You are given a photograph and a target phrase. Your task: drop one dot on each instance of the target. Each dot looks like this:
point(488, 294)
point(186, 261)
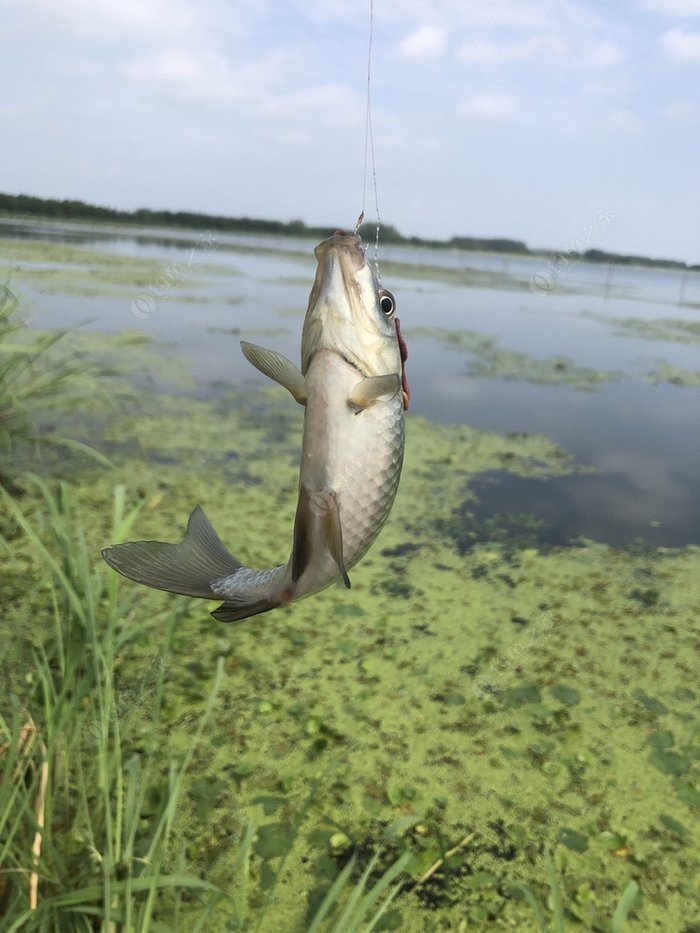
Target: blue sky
point(520, 118)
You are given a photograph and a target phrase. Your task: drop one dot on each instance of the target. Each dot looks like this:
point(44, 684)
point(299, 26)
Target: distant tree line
point(24, 205)
point(599, 255)
point(50, 208)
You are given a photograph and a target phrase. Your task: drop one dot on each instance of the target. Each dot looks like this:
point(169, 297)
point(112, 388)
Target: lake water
point(205, 292)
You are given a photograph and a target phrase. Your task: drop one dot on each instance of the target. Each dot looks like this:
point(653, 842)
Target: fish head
point(349, 311)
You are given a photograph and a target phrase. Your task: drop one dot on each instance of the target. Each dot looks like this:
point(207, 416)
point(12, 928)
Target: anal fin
point(234, 612)
point(303, 531)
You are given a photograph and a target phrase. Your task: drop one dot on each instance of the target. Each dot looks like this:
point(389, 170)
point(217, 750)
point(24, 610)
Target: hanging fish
point(353, 386)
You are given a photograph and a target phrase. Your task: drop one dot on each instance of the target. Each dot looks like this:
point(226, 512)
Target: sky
point(549, 121)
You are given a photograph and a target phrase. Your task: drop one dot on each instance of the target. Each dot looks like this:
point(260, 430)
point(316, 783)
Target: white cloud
point(509, 50)
point(681, 44)
point(615, 87)
point(606, 53)
point(682, 111)
point(510, 14)
point(208, 77)
point(571, 38)
point(109, 20)
point(172, 65)
point(330, 105)
point(489, 105)
point(184, 75)
point(674, 8)
point(425, 43)
point(624, 120)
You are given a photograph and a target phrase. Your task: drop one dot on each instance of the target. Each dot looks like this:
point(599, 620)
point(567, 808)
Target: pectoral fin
point(278, 368)
point(317, 514)
point(371, 389)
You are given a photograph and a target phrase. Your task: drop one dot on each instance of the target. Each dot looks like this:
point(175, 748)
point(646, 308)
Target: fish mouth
point(342, 275)
point(344, 247)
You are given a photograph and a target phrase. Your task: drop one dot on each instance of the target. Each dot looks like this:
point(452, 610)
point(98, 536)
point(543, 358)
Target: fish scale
point(367, 504)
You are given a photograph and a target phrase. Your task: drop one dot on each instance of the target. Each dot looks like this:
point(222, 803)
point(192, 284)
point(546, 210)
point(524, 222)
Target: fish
point(353, 386)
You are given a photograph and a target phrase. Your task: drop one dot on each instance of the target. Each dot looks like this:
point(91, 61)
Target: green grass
point(364, 906)
point(105, 812)
point(559, 914)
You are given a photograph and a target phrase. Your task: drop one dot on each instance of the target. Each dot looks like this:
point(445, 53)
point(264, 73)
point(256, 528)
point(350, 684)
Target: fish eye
point(387, 302)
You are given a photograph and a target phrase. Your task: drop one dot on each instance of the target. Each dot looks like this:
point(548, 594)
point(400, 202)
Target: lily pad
point(349, 610)
point(610, 841)
point(678, 829)
point(270, 803)
point(687, 793)
point(669, 762)
point(273, 840)
point(684, 694)
point(651, 704)
point(566, 695)
point(480, 880)
point(518, 696)
point(662, 738)
point(573, 839)
point(205, 791)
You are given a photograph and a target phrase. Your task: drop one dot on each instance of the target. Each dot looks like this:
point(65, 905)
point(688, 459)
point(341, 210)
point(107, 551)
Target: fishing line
point(369, 147)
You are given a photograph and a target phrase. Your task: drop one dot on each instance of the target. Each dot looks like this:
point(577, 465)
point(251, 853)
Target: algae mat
point(516, 700)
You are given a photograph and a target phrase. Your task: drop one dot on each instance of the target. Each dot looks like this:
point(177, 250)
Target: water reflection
point(617, 507)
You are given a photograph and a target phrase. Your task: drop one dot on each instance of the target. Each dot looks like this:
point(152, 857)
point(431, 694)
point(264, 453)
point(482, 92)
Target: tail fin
point(188, 568)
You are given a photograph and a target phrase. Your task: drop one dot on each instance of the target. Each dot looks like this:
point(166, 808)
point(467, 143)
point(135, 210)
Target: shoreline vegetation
point(28, 207)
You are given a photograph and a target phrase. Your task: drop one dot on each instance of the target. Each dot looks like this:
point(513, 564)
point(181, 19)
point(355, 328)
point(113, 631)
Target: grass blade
point(629, 896)
point(533, 903)
point(557, 906)
point(331, 898)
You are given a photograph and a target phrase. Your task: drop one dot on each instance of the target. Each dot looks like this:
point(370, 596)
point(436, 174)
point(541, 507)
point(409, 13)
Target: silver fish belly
point(352, 384)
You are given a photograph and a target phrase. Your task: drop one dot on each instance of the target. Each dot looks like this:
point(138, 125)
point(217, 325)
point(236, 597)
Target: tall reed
point(75, 848)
